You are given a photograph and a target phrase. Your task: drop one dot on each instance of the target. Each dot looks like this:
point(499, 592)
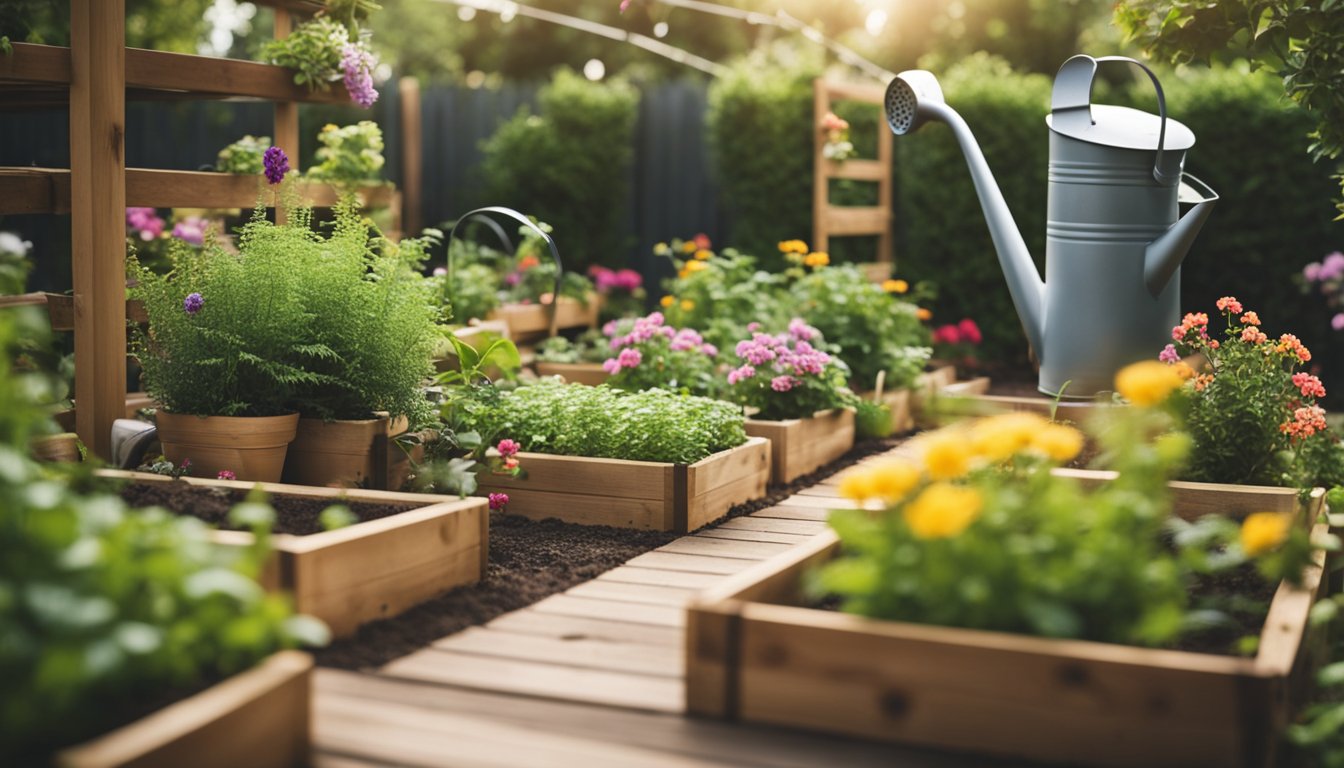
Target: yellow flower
point(857, 485)
point(687, 305)
point(946, 455)
point(1264, 531)
point(895, 286)
point(704, 254)
point(997, 438)
point(667, 301)
point(943, 510)
point(890, 481)
point(923, 314)
point(329, 127)
point(818, 259)
point(661, 249)
point(695, 266)
point(1058, 442)
point(793, 246)
point(1147, 383)
point(688, 247)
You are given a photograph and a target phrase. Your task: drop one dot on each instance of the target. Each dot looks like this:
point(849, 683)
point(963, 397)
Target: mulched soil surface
point(531, 560)
point(293, 515)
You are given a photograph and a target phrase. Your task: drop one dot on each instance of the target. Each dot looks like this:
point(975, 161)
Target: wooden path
point(590, 677)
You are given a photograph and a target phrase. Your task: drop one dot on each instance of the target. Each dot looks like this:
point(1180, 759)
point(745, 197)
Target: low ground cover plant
point(1253, 414)
point(577, 420)
point(980, 534)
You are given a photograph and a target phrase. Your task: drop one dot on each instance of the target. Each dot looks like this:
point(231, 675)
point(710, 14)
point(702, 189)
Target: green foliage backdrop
point(569, 165)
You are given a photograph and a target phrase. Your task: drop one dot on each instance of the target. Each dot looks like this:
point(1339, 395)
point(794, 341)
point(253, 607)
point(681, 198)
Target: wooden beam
point(98, 215)
point(36, 64)
point(286, 112)
point(821, 193)
point(856, 220)
point(411, 153)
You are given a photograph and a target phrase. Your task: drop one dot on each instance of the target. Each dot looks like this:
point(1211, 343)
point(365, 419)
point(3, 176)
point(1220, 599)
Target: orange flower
point(923, 314)
point(895, 286)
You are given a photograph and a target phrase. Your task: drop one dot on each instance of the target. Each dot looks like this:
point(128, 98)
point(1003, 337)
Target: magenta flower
point(508, 447)
point(612, 366)
point(801, 330)
point(970, 332)
point(782, 383)
point(1337, 322)
point(357, 63)
point(1169, 354)
point(499, 501)
point(276, 163)
point(629, 358)
point(193, 303)
point(739, 374)
point(226, 474)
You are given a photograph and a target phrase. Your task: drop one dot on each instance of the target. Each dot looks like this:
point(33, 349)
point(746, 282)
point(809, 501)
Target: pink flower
point(753, 327)
point(1306, 422)
point(1312, 272)
point(440, 271)
point(1252, 335)
point(709, 350)
point(1250, 318)
point(946, 334)
point(1337, 322)
point(358, 64)
point(970, 332)
point(629, 358)
point(499, 500)
point(508, 447)
point(701, 242)
point(191, 230)
point(1229, 304)
point(738, 374)
point(1308, 385)
point(1169, 354)
point(801, 330)
point(1333, 267)
point(612, 366)
point(624, 4)
point(782, 383)
point(225, 474)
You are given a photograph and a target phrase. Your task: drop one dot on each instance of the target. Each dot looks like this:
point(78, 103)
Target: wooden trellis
point(829, 220)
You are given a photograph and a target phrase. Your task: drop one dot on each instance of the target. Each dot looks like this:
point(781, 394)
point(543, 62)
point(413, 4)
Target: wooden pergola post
point(286, 112)
point(98, 215)
point(411, 154)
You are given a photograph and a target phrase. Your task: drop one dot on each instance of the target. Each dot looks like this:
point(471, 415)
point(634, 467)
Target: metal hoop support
point(484, 215)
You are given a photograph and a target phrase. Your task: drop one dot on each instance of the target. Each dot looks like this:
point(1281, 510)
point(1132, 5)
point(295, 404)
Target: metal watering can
point(1114, 234)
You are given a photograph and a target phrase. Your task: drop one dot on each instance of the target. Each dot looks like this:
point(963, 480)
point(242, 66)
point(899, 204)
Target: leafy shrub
point(243, 156)
point(472, 293)
point(349, 154)
point(570, 164)
point(102, 609)
point(719, 294)
point(484, 278)
point(591, 346)
point(760, 125)
point(654, 425)
point(873, 329)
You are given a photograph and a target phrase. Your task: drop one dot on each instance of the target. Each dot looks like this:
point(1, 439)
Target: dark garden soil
point(298, 516)
point(531, 560)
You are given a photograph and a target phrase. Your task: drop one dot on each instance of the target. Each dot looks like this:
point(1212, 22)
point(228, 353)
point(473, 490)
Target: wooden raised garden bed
point(754, 655)
point(370, 570)
point(940, 389)
point(531, 319)
point(898, 402)
point(635, 494)
point(591, 374)
point(1194, 500)
point(799, 446)
point(261, 718)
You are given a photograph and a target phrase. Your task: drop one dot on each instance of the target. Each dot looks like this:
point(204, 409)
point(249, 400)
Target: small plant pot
point(253, 448)
point(347, 454)
point(591, 374)
point(798, 446)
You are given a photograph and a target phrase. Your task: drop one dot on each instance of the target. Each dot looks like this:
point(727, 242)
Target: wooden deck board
point(534, 623)
point(633, 593)
point(740, 534)
point(613, 610)
point(629, 574)
point(674, 561)
point(775, 525)
point(636, 658)
point(712, 547)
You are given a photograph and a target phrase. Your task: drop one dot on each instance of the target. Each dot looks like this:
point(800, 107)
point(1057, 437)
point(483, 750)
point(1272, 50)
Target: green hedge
point(569, 165)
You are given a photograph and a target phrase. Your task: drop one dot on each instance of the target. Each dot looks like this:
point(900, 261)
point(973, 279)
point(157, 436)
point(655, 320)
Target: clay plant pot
point(62, 447)
point(251, 447)
point(348, 454)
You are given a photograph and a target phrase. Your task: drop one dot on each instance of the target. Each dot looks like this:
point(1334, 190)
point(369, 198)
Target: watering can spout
point(1164, 255)
point(914, 98)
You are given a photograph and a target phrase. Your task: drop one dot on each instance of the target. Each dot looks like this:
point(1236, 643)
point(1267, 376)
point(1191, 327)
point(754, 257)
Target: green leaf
point(336, 516)
point(307, 631)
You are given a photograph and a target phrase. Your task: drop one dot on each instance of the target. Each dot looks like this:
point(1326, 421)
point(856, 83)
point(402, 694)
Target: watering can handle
point(499, 210)
point(1073, 90)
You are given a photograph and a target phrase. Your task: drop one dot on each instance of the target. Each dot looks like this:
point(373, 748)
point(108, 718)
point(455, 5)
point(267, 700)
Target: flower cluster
point(191, 229)
point(796, 252)
point(193, 303)
point(650, 354)
point(1327, 277)
point(973, 529)
point(957, 342)
point(357, 65)
point(276, 164)
point(622, 291)
point(1251, 410)
point(788, 375)
point(144, 224)
point(838, 147)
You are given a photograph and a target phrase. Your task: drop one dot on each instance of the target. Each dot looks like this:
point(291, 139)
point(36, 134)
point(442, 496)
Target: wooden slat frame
point(832, 220)
point(799, 446)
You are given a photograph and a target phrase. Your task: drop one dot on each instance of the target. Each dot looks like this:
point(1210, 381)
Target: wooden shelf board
point(47, 190)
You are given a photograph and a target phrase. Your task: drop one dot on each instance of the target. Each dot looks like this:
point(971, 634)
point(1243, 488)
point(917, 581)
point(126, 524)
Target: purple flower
point(358, 64)
point(1332, 268)
point(782, 383)
point(499, 500)
point(1337, 322)
point(1169, 354)
point(193, 303)
point(190, 230)
point(277, 164)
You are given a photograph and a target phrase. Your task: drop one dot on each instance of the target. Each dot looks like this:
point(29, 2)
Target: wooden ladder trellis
point(829, 220)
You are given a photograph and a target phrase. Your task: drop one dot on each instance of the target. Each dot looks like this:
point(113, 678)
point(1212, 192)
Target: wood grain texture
point(574, 373)
point(830, 220)
point(261, 717)
point(584, 653)
point(799, 446)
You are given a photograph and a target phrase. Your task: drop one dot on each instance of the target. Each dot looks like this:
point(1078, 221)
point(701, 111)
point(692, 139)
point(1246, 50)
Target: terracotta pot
point(348, 454)
point(252, 447)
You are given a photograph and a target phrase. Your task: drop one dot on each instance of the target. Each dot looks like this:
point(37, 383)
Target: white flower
point(10, 243)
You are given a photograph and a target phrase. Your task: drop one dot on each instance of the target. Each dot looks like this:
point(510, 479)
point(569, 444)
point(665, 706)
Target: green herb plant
point(244, 156)
point(313, 50)
point(103, 609)
point(349, 155)
point(591, 346)
point(578, 420)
